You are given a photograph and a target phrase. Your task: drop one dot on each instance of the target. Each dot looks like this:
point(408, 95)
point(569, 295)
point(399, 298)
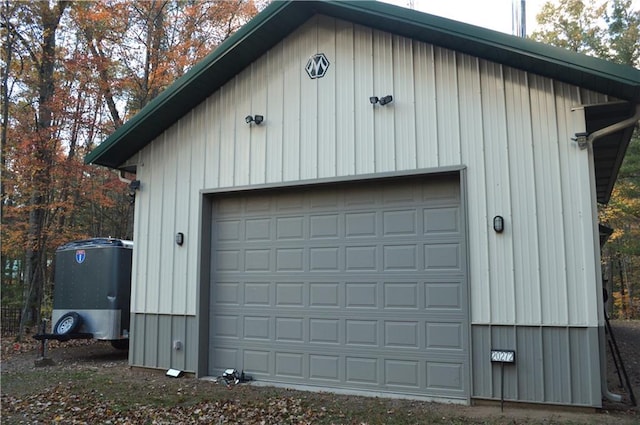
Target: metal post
point(502, 387)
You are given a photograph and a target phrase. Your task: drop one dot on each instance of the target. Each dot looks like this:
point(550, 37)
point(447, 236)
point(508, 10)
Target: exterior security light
point(256, 119)
point(498, 224)
point(381, 100)
point(179, 238)
point(385, 100)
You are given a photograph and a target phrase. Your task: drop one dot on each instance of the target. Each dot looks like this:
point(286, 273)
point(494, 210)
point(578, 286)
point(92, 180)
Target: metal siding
point(326, 99)
point(497, 168)
point(258, 133)
point(579, 221)
point(383, 116)
point(309, 108)
point(241, 133)
point(206, 156)
point(345, 101)
point(472, 146)
point(168, 217)
point(151, 349)
point(294, 59)
point(364, 88)
point(553, 287)
point(153, 251)
point(425, 112)
point(447, 105)
point(276, 83)
point(404, 104)
point(227, 112)
point(523, 220)
point(155, 348)
point(556, 365)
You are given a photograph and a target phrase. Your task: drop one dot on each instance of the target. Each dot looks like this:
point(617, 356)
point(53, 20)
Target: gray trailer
point(92, 292)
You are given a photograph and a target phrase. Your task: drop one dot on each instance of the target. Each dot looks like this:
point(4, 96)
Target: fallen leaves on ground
point(57, 406)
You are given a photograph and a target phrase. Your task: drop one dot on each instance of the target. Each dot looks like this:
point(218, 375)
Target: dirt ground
point(93, 373)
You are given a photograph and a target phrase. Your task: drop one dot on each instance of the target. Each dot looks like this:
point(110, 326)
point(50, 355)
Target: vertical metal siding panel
point(293, 70)
point(327, 149)
point(553, 290)
point(529, 363)
point(569, 157)
point(150, 338)
point(345, 99)
point(191, 342)
point(472, 146)
point(204, 171)
point(227, 112)
point(481, 364)
point(504, 338)
point(498, 190)
point(163, 344)
point(243, 131)
point(274, 113)
point(178, 333)
point(206, 155)
point(136, 347)
point(404, 104)
point(258, 133)
point(447, 107)
point(140, 236)
point(557, 368)
point(364, 112)
point(585, 366)
point(383, 115)
point(582, 286)
point(309, 93)
point(523, 202)
point(153, 250)
point(169, 187)
point(184, 276)
point(426, 120)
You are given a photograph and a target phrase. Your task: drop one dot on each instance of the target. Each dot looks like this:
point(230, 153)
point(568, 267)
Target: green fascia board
point(281, 18)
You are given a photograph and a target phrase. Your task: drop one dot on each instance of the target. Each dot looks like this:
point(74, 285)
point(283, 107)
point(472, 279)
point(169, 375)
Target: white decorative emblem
point(317, 66)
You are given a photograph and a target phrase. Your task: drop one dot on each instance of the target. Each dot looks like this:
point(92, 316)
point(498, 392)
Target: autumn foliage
point(72, 73)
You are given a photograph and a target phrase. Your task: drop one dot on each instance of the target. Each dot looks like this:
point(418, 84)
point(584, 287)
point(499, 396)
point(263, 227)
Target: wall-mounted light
point(381, 100)
point(179, 238)
point(256, 119)
point(133, 186)
point(498, 224)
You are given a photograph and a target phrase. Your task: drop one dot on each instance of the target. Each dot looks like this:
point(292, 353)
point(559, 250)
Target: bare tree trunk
point(43, 152)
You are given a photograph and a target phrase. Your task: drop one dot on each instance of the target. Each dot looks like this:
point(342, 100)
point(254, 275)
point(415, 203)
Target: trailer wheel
point(120, 344)
point(68, 323)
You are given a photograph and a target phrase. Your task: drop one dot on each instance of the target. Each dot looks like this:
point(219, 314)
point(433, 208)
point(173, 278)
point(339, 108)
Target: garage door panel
point(348, 287)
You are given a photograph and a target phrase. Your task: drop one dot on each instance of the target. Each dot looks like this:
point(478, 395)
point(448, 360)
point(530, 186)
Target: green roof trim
point(281, 18)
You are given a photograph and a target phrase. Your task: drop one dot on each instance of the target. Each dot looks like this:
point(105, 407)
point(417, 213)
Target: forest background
point(73, 72)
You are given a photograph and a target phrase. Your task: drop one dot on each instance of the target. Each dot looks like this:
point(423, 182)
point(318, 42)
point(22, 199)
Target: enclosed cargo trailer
point(92, 291)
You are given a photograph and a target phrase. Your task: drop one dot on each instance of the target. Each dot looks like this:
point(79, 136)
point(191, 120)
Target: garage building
point(357, 197)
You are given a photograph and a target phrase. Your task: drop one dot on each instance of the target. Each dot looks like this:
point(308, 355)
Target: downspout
point(584, 140)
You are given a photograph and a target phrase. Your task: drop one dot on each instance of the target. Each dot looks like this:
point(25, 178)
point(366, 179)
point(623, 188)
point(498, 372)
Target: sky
point(492, 14)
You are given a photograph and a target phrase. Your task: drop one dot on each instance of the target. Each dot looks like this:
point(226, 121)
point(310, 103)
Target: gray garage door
point(359, 287)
